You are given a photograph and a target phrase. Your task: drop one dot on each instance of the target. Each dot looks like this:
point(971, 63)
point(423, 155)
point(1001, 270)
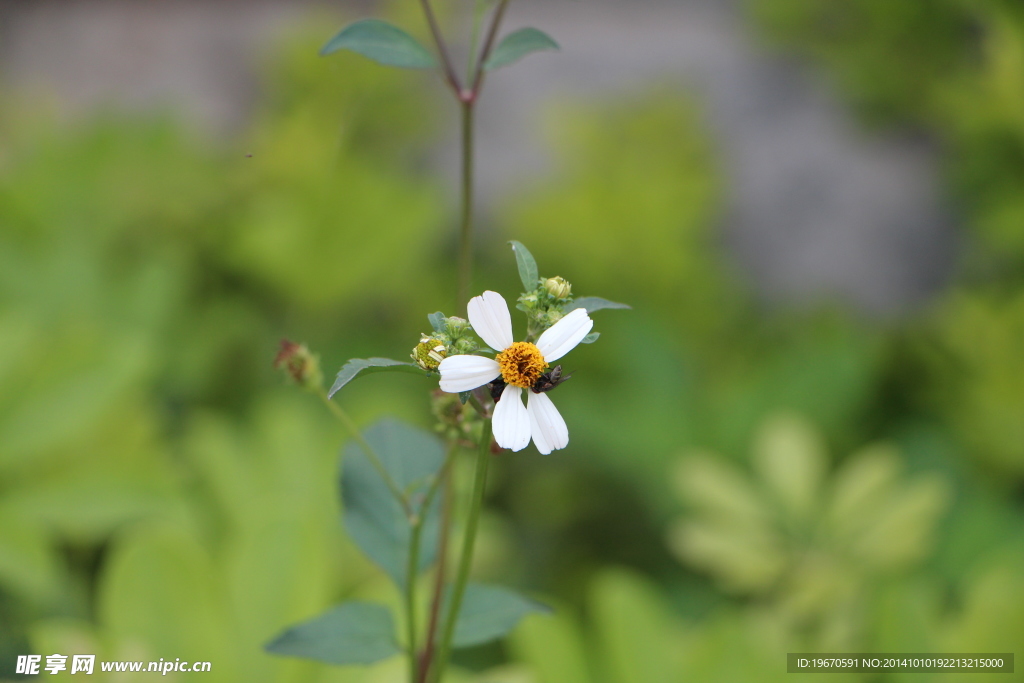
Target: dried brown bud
point(301, 365)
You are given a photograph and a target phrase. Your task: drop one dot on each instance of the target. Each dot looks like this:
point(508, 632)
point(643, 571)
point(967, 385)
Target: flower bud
point(456, 326)
point(463, 346)
point(558, 287)
point(301, 365)
point(429, 353)
point(551, 317)
point(529, 300)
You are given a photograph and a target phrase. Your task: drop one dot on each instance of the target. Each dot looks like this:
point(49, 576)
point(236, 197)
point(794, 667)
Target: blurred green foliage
point(808, 545)
point(951, 68)
point(955, 71)
point(162, 495)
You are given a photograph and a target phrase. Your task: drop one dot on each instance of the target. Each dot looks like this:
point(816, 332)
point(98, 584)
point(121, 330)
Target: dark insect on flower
point(497, 386)
point(549, 380)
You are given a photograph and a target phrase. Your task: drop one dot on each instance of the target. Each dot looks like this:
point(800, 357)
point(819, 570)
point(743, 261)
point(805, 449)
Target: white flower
point(519, 364)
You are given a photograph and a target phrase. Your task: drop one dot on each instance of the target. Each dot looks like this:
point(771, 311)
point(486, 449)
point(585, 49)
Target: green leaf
point(351, 633)
point(358, 367)
point(634, 632)
point(28, 561)
point(160, 585)
point(517, 45)
point(527, 266)
point(383, 43)
point(590, 338)
point(437, 321)
point(554, 648)
point(490, 612)
point(373, 518)
point(593, 303)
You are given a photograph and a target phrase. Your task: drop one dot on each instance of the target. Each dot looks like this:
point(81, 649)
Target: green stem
point(467, 100)
point(412, 569)
point(371, 455)
point(474, 40)
point(492, 34)
point(466, 231)
point(418, 669)
point(444, 479)
point(442, 48)
point(479, 407)
point(469, 541)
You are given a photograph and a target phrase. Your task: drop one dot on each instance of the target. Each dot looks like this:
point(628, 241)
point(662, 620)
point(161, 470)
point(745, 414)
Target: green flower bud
point(552, 317)
point(558, 287)
point(529, 300)
point(429, 353)
point(457, 327)
point(463, 346)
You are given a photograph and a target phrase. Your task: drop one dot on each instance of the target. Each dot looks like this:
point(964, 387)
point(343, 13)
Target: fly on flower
point(519, 365)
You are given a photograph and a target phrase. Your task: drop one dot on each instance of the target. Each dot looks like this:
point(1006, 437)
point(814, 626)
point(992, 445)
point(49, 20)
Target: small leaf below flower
point(517, 45)
point(590, 338)
point(351, 633)
point(437, 321)
point(490, 612)
point(593, 303)
point(527, 266)
point(358, 367)
point(373, 518)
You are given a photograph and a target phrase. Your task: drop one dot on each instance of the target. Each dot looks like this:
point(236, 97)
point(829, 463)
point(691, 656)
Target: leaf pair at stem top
point(387, 44)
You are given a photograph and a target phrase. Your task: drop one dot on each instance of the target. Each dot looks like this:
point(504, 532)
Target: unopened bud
point(552, 317)
point(457, 326)
point(529, 300)
point(429, 353)
point(463, 346)
point(300, 364)
point(558, 287)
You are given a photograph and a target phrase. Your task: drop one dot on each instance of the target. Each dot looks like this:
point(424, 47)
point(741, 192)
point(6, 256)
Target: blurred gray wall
point(817, 208)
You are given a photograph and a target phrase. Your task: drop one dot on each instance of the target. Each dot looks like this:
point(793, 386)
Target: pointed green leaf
point(373, 518)
point(527, 266)
point(590, 338)
point(593, 303)
point(437, 321)
point(383, 43)
point(490, 612)
point(358, 367)
point(351, 633)
point(517, 45)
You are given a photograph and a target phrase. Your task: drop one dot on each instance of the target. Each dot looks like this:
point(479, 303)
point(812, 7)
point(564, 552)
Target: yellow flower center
point(521, 364)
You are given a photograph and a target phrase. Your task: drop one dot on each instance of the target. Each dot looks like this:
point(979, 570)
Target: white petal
point(510, 422)
point(489, 316)
point(462, 373)
point(563, 336)
point(547, 425)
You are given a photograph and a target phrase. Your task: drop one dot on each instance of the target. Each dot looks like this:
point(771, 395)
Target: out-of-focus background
point(808, 435)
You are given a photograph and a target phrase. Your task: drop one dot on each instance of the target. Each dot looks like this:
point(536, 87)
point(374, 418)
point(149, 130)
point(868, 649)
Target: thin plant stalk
point(442, 48)
point(483, 462)
point(442, 557)
point(410, 593)
point(418, 668)
point(432, 667)
point(492, 35)
point(371, 454)
point(466, 229)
